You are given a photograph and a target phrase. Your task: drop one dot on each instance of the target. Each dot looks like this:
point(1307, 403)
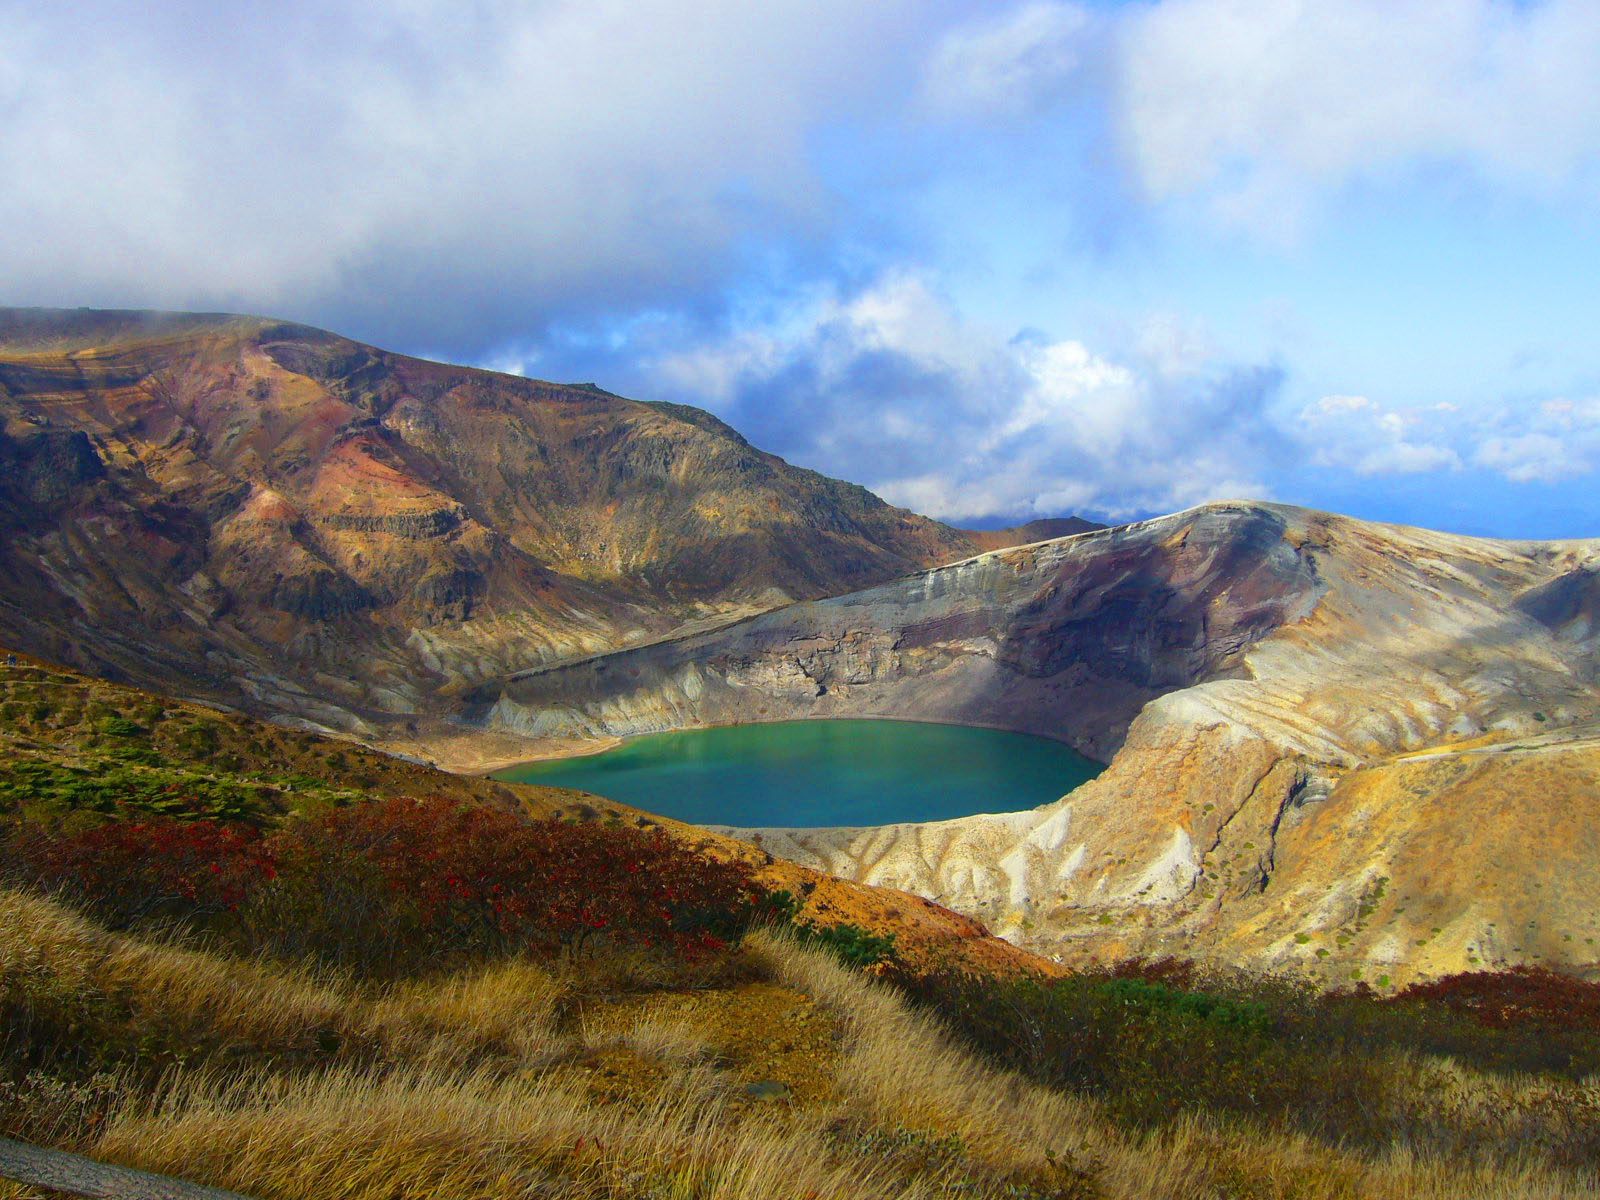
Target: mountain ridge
point(1295, 708)
point(353, 532)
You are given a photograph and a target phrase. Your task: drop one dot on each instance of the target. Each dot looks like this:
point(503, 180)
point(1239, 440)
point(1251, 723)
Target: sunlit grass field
point(294, 981)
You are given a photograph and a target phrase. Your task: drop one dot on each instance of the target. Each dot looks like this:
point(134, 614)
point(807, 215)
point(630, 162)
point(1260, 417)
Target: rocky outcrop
point(428, 524)
point(282, 519)
point(43, 468)
point(1360, 750)
point(1068, 639)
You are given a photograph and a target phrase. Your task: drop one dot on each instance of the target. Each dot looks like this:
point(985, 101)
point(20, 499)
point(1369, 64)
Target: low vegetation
point(420, 997)
point(785, 1074)
point(392, 888)
point(74, 748)
point(1484, 1068)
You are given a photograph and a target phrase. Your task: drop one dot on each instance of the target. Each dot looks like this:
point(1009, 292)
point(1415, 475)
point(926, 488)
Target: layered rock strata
point(1361, 750)
point(279, 518)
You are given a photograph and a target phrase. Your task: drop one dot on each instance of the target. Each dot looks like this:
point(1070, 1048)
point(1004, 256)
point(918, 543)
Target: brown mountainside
point(270, 514)
point(1043, 530)
point(1348, 750)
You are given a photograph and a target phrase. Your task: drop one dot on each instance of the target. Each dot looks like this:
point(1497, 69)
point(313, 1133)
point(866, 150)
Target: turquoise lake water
point(800, 773)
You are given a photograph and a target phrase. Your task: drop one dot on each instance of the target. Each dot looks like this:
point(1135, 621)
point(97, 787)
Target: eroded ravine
point(1254, 674)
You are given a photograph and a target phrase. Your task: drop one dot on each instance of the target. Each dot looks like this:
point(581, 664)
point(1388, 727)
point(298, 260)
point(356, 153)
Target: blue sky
point(995, 261)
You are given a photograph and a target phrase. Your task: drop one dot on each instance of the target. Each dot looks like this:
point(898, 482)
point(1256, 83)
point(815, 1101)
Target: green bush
point(850, 944)
point(114, 786)
point(1153, 1043)
point(120, 727)
point(198, 740)
point(1158, 998)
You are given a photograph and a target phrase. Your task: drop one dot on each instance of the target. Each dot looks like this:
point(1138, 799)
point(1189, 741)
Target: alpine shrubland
point(292, 987)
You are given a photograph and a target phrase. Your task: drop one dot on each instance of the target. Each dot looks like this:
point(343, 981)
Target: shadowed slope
point(271, 514)
point(1361, 750)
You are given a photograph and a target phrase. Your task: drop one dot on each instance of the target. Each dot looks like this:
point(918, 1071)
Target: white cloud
point(1543, 443)
point(1521, 442)
point(508, 360)
point(436, 168)
point(1355, 434)
point(901, 314)
point(1263, 109)
point(715, 370)
point(892, 386)
point(1532, 457)
point(1006, 64)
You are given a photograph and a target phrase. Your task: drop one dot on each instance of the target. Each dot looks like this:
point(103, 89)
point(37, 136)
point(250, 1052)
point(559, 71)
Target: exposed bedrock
point(1067, 638)
point(277, 518)
point(1359, 750)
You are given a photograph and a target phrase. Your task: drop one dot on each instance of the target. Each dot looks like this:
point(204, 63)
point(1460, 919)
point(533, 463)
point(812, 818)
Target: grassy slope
point(620, 1075)
point(620, 1078)
point(69, 741)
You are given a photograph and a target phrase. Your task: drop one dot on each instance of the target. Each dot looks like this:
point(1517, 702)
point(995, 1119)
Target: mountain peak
point(430, 523)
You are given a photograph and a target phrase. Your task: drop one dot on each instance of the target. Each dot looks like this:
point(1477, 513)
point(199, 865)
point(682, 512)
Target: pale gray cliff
point(1294, 706)
point(1068, 638)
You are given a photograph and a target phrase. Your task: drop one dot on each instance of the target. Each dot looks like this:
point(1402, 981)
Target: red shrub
point(125, 870)
point(387, 888)
point(392, 887)
point(1523, 995)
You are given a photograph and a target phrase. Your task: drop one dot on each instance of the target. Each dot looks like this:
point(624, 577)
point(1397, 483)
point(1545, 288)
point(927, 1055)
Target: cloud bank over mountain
point(893, 387)
point(995, 261)
point(461, 172)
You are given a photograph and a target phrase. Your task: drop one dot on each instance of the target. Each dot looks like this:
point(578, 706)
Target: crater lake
point(822, 773)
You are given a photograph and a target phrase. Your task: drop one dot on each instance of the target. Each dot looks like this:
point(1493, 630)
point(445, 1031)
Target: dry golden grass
point(233, 1000)
point(675, 1042)
point(899, 1067)
point(428, 1132)
point(469, 1087)
point(506, 1008)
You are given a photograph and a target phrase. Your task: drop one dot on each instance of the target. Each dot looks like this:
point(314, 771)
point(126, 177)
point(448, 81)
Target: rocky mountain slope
point(1360, 750)
point(274, 516)
point(69, 742)
point(1363, 750)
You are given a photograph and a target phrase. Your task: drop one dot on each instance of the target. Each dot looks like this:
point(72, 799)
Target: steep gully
point(1359, 751)
point(1349, 748)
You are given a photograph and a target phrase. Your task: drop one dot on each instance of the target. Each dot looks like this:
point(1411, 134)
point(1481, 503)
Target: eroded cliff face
point(1067, 638)
point(1357, 750)
point(277, 517)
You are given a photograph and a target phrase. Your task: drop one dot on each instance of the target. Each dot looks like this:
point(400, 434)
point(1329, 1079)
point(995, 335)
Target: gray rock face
point(1067, 638)
point(1261, 679)
point(74, 1175)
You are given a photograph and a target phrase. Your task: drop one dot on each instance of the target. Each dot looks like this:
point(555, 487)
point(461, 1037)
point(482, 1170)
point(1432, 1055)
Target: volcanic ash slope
point(281, 519)
point(1366, 751)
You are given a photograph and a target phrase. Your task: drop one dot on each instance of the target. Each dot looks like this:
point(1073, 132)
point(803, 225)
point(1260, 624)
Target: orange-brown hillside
point(276, 516)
